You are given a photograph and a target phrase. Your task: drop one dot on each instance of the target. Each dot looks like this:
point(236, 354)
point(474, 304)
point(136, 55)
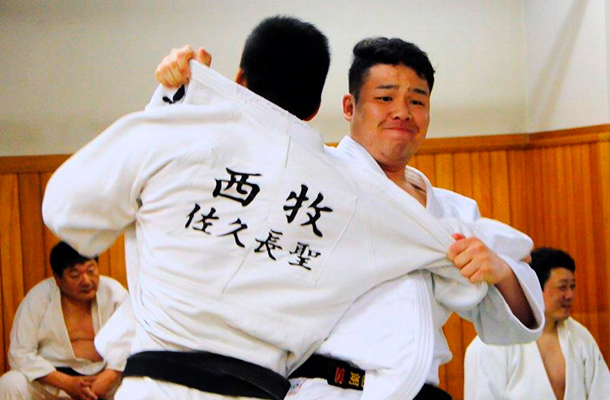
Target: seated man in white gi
point(388, 121)
point(51, 352)
point(251, 240)
point(564, 364)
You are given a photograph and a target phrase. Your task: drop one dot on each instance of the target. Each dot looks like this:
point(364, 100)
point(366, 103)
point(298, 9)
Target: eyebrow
point(393, 86)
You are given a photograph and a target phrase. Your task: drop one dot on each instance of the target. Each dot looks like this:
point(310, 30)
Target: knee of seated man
point(13, 384)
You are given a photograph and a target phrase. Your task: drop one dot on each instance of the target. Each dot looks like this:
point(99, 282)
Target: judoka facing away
point(251, 240)
point(564, 364)
point(51, 352)
point(390, 85)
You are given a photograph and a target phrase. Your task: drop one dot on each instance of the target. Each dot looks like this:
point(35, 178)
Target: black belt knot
point(336, 372)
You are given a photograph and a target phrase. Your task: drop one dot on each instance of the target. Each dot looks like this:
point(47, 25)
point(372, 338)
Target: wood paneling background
point(555, 186)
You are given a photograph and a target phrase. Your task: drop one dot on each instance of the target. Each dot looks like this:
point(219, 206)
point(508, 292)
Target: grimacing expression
point(558, 293)
point(392, 113)
point(80, 281)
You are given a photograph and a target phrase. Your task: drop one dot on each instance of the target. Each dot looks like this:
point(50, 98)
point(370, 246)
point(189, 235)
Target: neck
point(550, 327)
point(73, 303)
point(396, 175)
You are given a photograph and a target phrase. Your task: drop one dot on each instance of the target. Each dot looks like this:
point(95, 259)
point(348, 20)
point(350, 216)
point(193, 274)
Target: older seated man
point(51, 352)
point(564, 364)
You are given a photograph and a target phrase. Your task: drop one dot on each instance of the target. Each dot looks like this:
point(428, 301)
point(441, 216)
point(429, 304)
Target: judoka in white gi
point(251, 240)
point(564, 364)
point(376, 332)
point(54, 329)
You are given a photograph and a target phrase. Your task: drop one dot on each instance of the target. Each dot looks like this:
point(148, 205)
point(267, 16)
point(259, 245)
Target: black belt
point(430, 392)
point(336, 372)
point(344, 375)
point(68, 371)
point(209, 372)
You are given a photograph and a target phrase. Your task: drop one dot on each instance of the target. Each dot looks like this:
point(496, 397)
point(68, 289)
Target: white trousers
point(319, 389)
point(149, 389)
point(15, 386)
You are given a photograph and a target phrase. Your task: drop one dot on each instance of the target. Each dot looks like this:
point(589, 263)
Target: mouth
point(401, 127)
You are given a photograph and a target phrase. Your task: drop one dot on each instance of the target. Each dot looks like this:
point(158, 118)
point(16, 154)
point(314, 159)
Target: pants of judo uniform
point(319, 389)
point(133, 389)
point(15, 386)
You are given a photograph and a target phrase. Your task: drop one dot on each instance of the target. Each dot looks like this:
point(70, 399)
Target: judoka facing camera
point(52, 353)
point(564, 363)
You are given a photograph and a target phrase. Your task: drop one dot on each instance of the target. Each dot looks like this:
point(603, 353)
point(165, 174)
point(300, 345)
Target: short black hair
point(286, 61)
point(545, 259)
point(63, 256)
point(380, 50)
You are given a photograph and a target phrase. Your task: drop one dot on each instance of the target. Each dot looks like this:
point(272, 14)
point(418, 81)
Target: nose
point(85, 279)
point(402, 111)
point(570, 294)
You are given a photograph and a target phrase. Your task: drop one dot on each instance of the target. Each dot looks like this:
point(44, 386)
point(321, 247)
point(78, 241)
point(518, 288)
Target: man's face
point(80, 281)
point(558, 294)
point(392, 114)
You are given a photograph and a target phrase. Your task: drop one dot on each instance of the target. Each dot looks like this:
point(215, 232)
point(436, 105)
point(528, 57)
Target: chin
point(87, 296)
point(563, 316)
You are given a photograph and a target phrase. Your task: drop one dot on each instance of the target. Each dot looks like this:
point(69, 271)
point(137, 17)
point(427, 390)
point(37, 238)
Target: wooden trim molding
point(473, 143)
point(30, 164)
point(584, 135)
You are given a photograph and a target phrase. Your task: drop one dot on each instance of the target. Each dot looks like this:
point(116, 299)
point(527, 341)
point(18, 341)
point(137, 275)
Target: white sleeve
point(113, 342)
point(494, 320)
point(95, 193)
point(597, 376)
point(485, 371)
point(23, 351)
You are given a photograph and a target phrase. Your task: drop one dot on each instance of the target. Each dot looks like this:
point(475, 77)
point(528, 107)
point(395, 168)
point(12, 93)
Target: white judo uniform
point(376, 333)
point(517, 372)
point(40, 341)
point(251, 240)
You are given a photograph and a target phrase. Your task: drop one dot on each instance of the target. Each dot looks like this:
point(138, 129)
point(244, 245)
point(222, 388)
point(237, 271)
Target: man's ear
point(240, 78)
point(348, 107)
point(313, 114)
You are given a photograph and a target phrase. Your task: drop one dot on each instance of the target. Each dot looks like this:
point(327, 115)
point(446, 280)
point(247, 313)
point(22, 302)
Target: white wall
point(69, 68)
point(567, 64)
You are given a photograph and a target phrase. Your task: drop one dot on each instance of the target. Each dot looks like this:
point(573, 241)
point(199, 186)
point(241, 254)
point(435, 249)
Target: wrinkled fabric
point(39, 337)
point(517, 372)
point(171, 170)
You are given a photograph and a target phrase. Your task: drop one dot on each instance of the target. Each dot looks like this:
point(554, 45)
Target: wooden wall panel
point(426, 164)
point(519, 196)
point(116, 256)
point(32, 231)
point(454, 370)
point(600, 270)
point(500, 197)
point(583, 248)
point(534, 211)
point(50, 239)
point(481, 181)
point(554, 186)
point(11, 267)
point(462, 171)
